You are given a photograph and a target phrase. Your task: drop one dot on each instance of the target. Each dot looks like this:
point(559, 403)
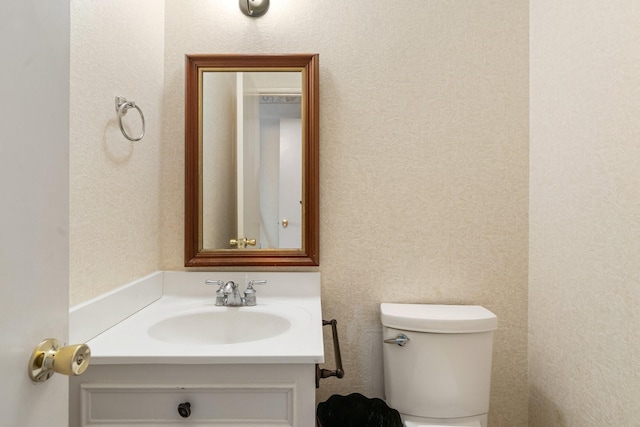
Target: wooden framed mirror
point(252, 160)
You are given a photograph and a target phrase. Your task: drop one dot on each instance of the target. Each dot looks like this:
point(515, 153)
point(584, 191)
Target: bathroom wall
point(584, 281)
point(423, 161)
point(117, 49)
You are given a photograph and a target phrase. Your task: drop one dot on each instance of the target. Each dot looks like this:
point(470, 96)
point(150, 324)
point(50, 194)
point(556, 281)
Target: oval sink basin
point(225, 326)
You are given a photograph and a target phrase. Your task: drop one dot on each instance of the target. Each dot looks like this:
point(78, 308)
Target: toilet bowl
point(437, 363)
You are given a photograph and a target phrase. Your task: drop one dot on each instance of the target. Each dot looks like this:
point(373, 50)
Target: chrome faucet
point(229, 295)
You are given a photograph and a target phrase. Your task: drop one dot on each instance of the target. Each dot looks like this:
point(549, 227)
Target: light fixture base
point(254, 8)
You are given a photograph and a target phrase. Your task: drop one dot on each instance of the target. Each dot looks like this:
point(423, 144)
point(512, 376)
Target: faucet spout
point(232, 295)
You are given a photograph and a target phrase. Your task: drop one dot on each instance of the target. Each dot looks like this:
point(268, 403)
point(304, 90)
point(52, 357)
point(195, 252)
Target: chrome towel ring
point(122, 106)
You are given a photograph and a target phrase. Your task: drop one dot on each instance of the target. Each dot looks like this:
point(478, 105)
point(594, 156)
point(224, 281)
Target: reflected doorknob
point(242, 242)
point(48, 357)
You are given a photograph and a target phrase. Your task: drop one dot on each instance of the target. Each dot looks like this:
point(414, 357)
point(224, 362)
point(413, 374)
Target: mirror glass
point(251, 160)
point(251, 152)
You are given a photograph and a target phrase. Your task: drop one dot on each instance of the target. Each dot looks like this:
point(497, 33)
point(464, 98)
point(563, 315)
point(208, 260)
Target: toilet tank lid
point(438, 318)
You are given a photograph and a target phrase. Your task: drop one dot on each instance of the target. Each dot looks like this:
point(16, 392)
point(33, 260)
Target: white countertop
point(292, 296)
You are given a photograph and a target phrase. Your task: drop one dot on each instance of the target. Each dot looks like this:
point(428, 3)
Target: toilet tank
point(444, 370)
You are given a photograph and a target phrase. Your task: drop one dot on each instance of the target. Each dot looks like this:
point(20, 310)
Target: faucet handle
point(219, 292)
point(255, 282)
point(250, 292)
point(214, 282)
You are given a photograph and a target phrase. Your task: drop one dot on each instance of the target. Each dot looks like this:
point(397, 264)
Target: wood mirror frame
point(195, 254)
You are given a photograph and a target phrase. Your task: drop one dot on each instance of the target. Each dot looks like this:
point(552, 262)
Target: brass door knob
point(285, 223)
point(48, 357)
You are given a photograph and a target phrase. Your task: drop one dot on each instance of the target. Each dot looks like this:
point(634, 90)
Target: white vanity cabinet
point(161, 341)
point(218, 395)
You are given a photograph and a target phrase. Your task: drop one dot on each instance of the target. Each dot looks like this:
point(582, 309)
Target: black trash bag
point(355, 410)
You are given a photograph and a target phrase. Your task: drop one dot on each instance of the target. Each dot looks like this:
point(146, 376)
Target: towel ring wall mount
point(122, 106)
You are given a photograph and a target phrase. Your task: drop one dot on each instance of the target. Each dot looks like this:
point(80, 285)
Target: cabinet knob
point(184, 409)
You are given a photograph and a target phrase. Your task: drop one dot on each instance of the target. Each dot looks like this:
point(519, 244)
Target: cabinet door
point(209, 405)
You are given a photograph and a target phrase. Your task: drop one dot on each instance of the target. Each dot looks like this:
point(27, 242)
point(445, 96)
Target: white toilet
point(437, 363)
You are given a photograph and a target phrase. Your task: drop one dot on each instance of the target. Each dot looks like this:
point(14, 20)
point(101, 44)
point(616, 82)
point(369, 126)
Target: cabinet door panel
point(216, 405)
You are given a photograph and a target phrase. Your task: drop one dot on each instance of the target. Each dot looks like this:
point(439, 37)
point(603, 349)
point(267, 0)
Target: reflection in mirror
point(251, 160)
point(259, 164)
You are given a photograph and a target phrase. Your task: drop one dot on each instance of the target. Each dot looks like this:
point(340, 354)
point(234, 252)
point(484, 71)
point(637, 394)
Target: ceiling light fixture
point(254, 8)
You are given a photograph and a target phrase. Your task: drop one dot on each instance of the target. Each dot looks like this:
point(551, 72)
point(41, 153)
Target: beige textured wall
point(117, 49)
point(424, 161)
point(584, 283)
point(424, 176)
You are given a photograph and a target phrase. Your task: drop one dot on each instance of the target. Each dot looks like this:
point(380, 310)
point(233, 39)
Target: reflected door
point(269, 166)
point(290, 184)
